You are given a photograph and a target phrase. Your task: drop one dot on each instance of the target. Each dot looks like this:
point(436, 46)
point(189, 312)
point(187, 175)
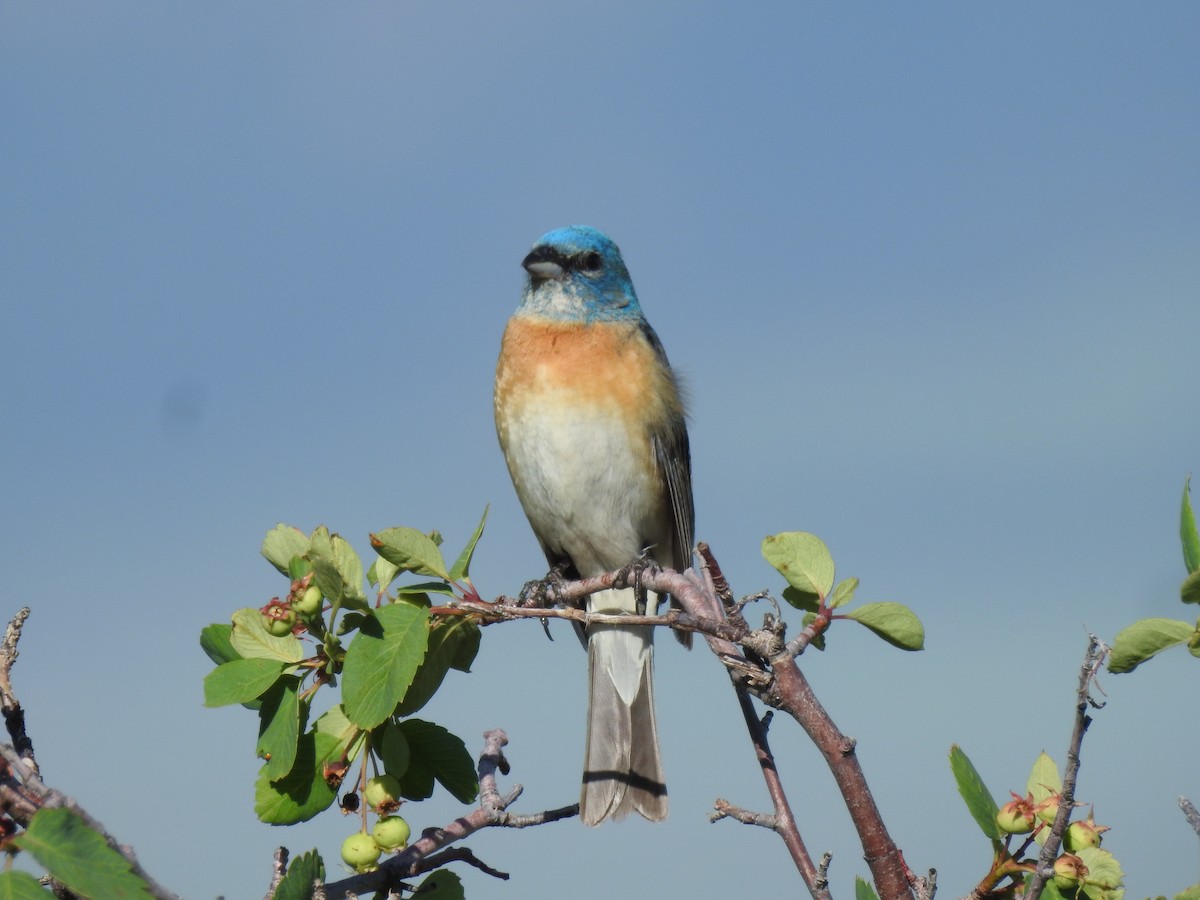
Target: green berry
point(360, 852)
point(391, 833)
point(1069, 872)
point(382, 793)
point(308, 604)
point(1016, 817)
point(1047, 809)
point(1081, 835)
point(278, 620)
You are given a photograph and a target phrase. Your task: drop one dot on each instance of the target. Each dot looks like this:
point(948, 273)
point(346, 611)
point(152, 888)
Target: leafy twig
point(428, 853)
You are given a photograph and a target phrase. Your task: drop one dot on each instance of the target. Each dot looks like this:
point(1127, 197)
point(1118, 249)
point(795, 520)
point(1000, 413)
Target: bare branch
point(1093, 657)
point(725, 809)
point(22, 791)
point(1192, 814)
point(14, 715)
point(279, 862)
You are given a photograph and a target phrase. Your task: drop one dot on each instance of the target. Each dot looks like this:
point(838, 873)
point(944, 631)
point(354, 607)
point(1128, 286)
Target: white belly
point(585, 486)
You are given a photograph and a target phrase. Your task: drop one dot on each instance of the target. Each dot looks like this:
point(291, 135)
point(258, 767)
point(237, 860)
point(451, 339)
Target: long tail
point(622, 771)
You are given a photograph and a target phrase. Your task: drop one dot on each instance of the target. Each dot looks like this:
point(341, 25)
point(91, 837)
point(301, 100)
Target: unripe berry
point(1016, 816)
point(1069, 872)
point(360, 852)
point(391, 833)
point(382, 793)
point(1047, 809)
point(308, 604)
point(279, 620)
point(1084, 834)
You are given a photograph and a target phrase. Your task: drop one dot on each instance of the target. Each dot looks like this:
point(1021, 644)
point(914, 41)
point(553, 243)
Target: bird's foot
point(633, 573)
point(543, 593)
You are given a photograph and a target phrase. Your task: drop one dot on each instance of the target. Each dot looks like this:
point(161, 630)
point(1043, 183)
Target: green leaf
point(843, 593)
point(279, 727)
point(894, 622)
point(240, 681)
point(1189, 591)
point(804, 600)
point(466, 646)
point(448, 638)
point(801, 558)
point(297, 884)
point(461, 568)
point(382, 572)
point(251, 639)
point(1044, 779)
point(1050, 890)
point(411, 551)
point(21, 886)
point(1141, 640)
point(974, 792)
point(393, 749)
point(300, 794)
point(1104, 878)
point(337, 570)
point(79, 857)
point(441, 885)
point(298, 567)
point(281, 544)
point(334, 723)
point(214, 640)
point(1187, 531)
point(417, 591)
point(349, 567)
point(863, 890)
point(382, 660)
point(436, 753)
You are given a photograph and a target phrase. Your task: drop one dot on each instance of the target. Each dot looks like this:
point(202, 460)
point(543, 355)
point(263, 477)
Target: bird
point(591, 421)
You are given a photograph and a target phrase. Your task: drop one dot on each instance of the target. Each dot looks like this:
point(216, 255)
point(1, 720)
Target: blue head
point(576, 273)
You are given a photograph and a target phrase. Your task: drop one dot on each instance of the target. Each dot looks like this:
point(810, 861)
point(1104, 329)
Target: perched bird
point(591, 422)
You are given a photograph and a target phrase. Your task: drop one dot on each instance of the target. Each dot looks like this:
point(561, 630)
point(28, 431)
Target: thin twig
point(1191, 813)
point(1092, 659)
point(723, 809)
point(14, 715)
point(22, 791)
point(279, 862)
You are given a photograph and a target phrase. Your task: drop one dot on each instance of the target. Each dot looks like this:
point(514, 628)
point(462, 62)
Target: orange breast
point(607, 366)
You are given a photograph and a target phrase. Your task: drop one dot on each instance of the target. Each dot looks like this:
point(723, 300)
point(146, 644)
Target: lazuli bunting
point(591, 423)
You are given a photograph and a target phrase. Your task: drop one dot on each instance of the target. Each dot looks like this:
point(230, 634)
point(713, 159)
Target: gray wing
point(672, 455)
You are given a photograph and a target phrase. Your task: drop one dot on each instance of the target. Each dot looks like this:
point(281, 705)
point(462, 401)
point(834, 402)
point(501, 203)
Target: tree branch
point(1191, 813)
point(428, 853)
point(22, 791)
point(1093, 657)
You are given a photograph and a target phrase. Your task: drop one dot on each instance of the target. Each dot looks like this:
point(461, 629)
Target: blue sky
point(929, 270)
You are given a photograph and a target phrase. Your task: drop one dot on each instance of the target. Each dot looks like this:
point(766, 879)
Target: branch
point(1093, 657)
point(14, 715)
point(706, 600)
point(791, 693)
point(22, 791)
point(1191, 813)
point(428, 852)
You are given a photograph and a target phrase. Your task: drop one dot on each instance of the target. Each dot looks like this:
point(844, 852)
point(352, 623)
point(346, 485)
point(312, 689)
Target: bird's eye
point(592, 262)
